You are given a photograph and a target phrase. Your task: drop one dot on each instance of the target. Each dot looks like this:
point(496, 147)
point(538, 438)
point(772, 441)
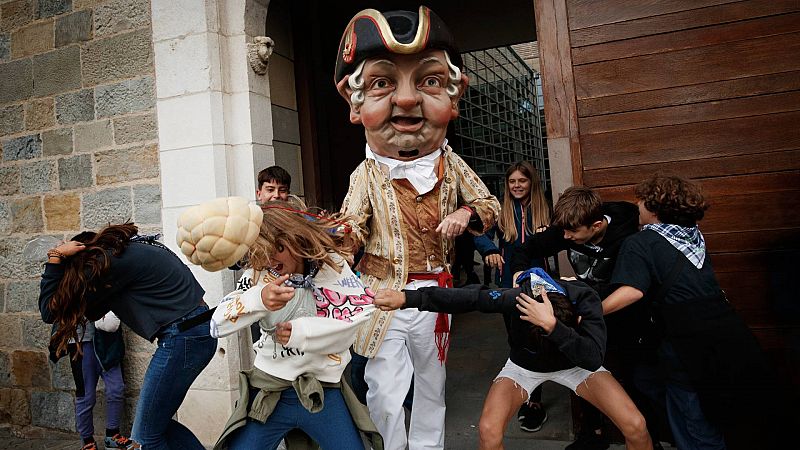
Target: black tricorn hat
point(372, 33)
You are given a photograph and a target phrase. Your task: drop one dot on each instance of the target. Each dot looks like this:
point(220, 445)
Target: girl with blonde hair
point(308, 305)
point(525, 210)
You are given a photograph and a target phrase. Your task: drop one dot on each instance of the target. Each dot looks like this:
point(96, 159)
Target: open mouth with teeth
point(278, 268)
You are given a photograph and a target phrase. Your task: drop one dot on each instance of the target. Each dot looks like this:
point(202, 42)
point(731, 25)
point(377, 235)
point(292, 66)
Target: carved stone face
point(406, 107)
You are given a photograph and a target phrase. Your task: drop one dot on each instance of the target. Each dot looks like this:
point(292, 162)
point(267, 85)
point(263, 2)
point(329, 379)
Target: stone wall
point(79, 150)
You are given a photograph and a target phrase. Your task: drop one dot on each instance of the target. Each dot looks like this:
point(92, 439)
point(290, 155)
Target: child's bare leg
point(606, 394)
point(502, 402)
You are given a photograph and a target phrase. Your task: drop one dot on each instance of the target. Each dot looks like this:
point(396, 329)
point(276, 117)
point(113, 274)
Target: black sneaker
point(531, 417)
point(588, 441)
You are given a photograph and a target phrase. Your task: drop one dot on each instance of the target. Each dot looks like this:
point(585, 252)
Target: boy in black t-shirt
point(717, 378)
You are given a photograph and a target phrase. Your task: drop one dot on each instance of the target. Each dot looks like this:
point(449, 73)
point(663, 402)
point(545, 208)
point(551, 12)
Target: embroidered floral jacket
point(378, 226)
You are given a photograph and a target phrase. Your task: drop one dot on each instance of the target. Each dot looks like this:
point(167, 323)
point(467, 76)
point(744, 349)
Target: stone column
point(215, 133)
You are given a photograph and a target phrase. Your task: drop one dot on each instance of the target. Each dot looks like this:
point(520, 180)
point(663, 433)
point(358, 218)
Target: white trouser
point(408, 349)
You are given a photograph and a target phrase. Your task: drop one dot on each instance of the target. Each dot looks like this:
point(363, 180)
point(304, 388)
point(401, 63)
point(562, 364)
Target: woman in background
point(525, 210)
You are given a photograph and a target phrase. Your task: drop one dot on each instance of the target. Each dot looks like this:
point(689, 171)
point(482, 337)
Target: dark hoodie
point(592, 264)
point(566, 347)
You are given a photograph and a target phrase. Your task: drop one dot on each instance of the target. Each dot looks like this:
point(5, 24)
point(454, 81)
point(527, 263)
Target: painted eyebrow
point(385, 63)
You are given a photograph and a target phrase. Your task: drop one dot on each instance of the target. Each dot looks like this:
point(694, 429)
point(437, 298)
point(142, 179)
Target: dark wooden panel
point(718, 187)
point(771, 54)
point(781, 239)
point(735, 184)
point(729, 137)
point(556, 63)
point(697, 112)
point(736, 212)
point(749, 212)
point(696, 93)
point(752, 263)
point(697, 168)
point(754, 291)
point(589, 13)
point(682, 20)
point(679, 40)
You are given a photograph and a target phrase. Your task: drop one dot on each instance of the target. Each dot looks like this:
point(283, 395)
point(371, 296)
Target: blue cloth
point(485, 245)
point(332, 428)
point(537, 275)
point(90, 372)
point(177, 362)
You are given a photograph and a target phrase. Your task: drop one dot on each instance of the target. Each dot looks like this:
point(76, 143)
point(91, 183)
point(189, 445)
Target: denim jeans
point(332, 428)
point(179, 359)
point(690, 427)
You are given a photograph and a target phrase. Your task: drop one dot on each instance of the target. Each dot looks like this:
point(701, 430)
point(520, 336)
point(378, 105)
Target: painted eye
point(431, 82)
point(381, 84)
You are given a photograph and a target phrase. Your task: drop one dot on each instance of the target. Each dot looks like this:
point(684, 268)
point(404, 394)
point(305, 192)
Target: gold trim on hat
point(415, 46)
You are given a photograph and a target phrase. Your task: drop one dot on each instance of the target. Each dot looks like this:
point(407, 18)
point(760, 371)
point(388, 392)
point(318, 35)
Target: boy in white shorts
point(559, 337)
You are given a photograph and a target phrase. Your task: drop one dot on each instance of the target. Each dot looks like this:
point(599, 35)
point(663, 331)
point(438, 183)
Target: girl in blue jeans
point(152, 291)
point(308, 305)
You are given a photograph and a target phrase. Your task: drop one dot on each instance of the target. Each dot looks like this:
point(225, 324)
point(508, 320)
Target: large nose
point(406, 96)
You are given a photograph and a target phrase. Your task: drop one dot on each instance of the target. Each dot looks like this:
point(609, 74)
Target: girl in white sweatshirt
point(308, 304)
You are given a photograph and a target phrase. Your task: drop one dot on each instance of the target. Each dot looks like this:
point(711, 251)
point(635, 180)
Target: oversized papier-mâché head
point(400, 72)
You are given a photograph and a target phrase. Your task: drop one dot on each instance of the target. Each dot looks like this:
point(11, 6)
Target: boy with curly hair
point(711, 362)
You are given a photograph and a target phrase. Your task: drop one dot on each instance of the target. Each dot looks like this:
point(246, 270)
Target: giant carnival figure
point(400, 73)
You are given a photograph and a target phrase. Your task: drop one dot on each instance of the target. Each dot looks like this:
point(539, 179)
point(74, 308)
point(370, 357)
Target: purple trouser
point(86, 371)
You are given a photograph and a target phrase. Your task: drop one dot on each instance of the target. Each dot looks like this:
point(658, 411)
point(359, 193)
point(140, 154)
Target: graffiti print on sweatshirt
point(338, 306)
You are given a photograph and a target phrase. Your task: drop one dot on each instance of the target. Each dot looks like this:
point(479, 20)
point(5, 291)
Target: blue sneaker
point(118, 441)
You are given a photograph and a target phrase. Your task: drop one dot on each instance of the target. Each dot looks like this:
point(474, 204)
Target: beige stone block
point(205, 413)
point(26, 215)
point(40, 114)
point(10, 330)
point(133, 342)
point(30, 369)
point(62, 212)
point(93, 136)
point(114, 166)
point(16, 14)
point(134, 367)
point(281, 82)
point(80, 4)
point(33, 39)
point(139, 128)
point(15, 407)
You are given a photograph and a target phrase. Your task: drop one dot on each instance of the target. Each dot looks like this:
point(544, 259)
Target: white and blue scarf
point(688, 240)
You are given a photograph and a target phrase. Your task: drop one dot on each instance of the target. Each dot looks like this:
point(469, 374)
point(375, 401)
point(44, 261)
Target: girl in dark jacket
point(559, 338)
point(152, 291)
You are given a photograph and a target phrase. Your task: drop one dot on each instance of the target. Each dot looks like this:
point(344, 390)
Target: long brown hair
point(540, 212)
point(83, 272)
point(310, 238)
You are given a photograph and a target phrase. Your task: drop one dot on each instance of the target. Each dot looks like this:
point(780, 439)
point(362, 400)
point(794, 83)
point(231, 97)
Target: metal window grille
point(501, 118)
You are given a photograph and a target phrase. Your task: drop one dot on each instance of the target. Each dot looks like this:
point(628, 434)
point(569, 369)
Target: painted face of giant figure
point(403, 96)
